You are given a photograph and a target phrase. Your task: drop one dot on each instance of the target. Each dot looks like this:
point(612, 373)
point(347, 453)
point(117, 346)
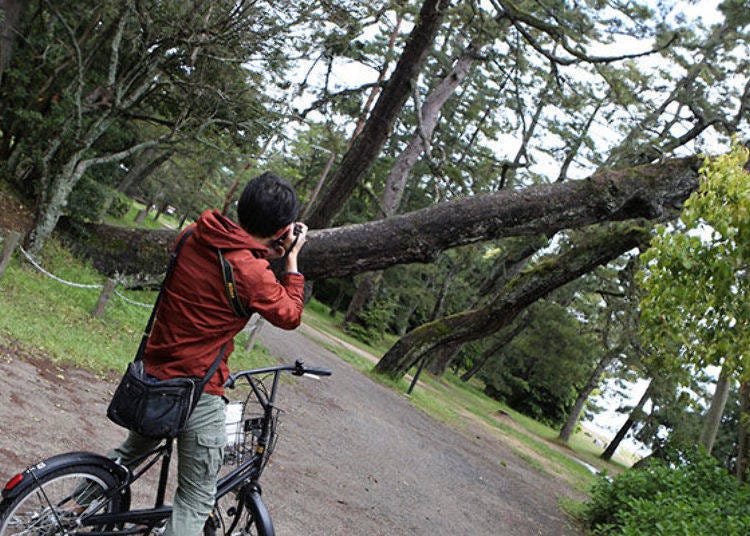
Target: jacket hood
point(216, 230)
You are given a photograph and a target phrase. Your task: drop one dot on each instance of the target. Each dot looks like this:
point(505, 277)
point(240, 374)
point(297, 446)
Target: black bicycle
point(86, 493)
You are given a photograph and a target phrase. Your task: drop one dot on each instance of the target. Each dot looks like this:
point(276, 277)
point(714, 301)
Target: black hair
point(267, 204)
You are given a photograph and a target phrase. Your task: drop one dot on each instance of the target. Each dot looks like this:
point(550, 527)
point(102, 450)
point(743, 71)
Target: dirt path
point(354, 458)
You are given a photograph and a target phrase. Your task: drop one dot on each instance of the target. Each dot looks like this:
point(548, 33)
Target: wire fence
point(10, 243)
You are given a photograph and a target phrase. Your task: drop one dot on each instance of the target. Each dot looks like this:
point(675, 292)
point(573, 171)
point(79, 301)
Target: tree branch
point(517, 17)
point(648, 191)
point(118, 156)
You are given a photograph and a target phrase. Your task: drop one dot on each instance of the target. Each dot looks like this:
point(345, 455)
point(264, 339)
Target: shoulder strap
point(231, 287)
point(170, 269)
point(214, 367)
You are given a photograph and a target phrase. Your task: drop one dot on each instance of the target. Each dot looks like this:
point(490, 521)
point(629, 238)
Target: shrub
point(120, 205)
point(372, 323)
point(697, 497)
point(86, 201)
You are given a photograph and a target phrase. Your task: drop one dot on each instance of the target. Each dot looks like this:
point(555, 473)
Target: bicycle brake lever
point(299, 370)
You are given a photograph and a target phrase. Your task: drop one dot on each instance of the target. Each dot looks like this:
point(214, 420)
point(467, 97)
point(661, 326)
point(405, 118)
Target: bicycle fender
point(260, 513)
point(34, 473)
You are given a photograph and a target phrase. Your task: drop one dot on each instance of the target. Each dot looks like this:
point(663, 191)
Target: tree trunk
point(593, 248)
point(743, 442)
point(362, 117)
point(442, 357)
point(10, 15)
point(395, 183)
point(648, 191)
point(506, 336)
point(366, 289)
point(359, 159)
point(510, 265)
point(57, 190)
point(54, 200)
point(634, 417)
point(147, 163)
point(712, 420)
point(253, 330)
point(402, 319)
point(419, 236)
point(583, 396)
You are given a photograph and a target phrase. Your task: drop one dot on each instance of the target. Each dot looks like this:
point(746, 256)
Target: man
point(195, 320)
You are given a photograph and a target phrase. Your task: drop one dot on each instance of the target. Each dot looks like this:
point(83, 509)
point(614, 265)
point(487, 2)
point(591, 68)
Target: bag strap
point(170, 269)
point(230, 286)
point(211, 370)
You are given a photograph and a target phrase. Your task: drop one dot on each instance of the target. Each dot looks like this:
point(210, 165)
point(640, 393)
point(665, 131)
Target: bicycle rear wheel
point(240, 513)
point(58, 500)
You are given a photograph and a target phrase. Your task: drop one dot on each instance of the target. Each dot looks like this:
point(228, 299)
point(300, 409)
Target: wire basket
point(244, 426)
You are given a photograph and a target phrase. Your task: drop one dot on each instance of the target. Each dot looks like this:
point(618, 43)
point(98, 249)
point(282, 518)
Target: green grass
point(128, 220)
point(317, 315)
point(42, 313)
point(39, 312)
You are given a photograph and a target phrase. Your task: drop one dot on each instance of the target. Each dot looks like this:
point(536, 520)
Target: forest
point(548, 197)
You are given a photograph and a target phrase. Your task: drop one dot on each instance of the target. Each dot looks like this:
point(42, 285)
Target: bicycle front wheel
point(240, 513)
point(58, 500)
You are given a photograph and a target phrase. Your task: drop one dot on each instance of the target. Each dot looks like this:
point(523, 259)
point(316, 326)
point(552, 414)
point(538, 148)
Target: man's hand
point(297, 237)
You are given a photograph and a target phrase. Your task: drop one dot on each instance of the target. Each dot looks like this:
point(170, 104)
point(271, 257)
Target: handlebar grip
point(318, 371)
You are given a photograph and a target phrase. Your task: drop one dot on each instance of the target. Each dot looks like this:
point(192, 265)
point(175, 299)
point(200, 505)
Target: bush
point(120, 205)
point(694, 498)
point(86, 201)
point(372, 323)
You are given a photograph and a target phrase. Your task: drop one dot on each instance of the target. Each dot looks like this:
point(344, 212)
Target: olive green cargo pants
point(200, 453)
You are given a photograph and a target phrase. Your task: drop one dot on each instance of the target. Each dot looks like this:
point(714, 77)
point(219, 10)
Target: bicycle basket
point(244, 426)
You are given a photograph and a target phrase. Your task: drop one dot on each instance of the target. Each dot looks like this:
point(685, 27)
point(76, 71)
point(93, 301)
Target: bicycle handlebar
point(298, 369)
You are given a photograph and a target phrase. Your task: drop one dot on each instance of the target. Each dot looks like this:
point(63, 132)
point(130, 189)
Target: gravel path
point(354, 458)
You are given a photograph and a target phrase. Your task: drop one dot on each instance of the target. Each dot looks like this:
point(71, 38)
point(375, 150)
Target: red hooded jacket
point(195, 319)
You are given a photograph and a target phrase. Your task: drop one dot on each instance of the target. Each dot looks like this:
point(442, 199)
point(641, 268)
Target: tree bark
point(57, 190)
point(442, 355)
point(712, 419)
point(366, 290)
point(647, 191)
point(743, 442)
point(10, 15)
point(583, 396)
point(511, 264)
point(594, 248)
point(634, 417)
point(146, 164)
point(395, 183)
point(419, 236)
point(359, 158)
point(362, 117)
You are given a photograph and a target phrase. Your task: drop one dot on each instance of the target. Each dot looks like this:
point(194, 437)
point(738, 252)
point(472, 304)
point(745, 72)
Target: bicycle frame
point(246, 474)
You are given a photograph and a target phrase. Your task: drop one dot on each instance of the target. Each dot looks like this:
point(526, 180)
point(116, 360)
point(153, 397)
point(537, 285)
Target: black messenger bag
point(154, 408)
point(157, 409)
